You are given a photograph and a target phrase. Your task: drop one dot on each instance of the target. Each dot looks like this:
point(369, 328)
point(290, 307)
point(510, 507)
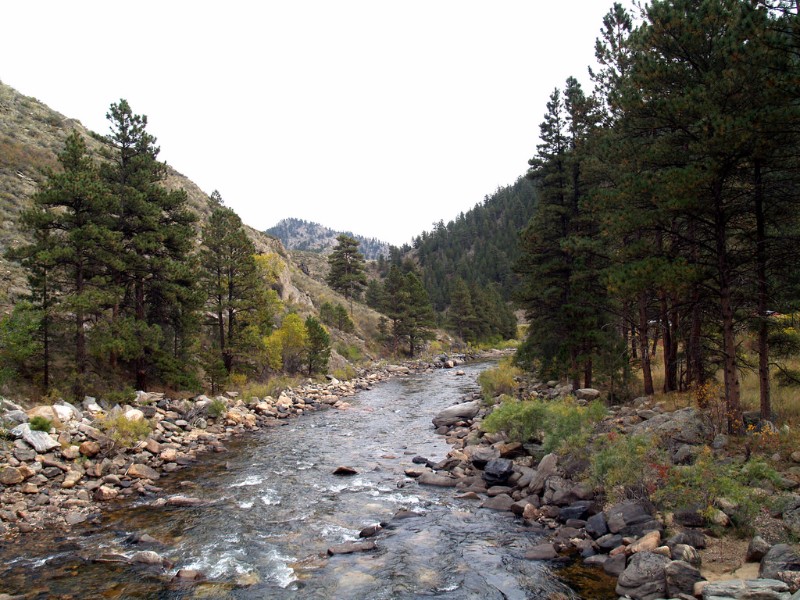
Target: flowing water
point(274, 508)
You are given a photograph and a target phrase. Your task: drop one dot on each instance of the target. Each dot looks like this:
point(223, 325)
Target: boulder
point(547, 467)
point(344, 470)
point(631, 518)
point(454, 414)
point(105, 493)
point(685, 426)
point(761, 589)
point(757, 549)
point(544, 551)
point(503, 502)
point(681, 578)
point(781, 557)
point(647, 543)
point(596, 525)
point(10, 476)
point(434, 479)
point(141, 471)
point(148, 557)
point(482, 455)
point(89, 448)
point(587, 394)
point(351, 547)
point(498, 471)
point(39, 440)
point(644, 578)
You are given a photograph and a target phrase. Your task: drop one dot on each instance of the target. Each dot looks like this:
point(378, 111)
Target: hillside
point(479, 246)
point(32, 135)
point(297, 234)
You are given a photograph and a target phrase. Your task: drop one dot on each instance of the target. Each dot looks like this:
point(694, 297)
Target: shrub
point(499, 380)
point(125, 432)
point(123, 396)
point(560, 424)
point(568, 425)
point(700, 485)
point(628, 466)
point(255, 389)
point(39, 423)
point(217, 408)
point(521, 420)
point(344, 373)
point(350, 352)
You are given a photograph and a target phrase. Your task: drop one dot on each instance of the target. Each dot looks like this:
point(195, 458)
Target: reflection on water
point(274, 508)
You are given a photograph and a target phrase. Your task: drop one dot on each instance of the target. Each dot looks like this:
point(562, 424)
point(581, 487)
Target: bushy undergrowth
point(344, 373)
point(39, 423)
point(217, 408)
point(125, 432)
point(502, 379)
point(560, 424)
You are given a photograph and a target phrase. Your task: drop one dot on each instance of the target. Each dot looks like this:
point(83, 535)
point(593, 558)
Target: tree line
point(125, 285)
point(668, 200)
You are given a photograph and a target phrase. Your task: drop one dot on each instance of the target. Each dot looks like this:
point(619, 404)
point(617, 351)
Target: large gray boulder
point(459, 412)
point(631, 519)
point(781, 557)
point(498, 471)
point(644, 578)
point(685, 426)
point(749, 589)
point(681, 577)
point(547, 466)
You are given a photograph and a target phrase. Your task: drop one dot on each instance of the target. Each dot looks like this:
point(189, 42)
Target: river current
point(274, 507)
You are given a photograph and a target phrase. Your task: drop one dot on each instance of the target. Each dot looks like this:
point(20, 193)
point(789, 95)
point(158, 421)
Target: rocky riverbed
point(648, 555)
point(57, 479)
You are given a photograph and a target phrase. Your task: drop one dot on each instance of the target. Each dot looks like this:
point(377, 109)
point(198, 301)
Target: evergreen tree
point(156, 234)
point(318, 346)
point(74, 246)
point(347, 274)
point(231, 278)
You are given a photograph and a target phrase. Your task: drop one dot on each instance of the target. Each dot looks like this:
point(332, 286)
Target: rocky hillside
point(297, 234)
point(31, 136)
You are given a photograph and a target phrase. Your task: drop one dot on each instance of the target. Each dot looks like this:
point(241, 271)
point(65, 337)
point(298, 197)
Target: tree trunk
point(587, 373)
point(763, 291)
point(670, 363)
point(140, 364)
point(647, 374)
point(80, 338)
point(732, 391)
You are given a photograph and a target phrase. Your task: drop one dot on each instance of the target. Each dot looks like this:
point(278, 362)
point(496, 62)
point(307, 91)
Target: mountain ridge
point(308, 236)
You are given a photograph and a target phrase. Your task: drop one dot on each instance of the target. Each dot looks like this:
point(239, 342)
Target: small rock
point(757, 549)
point(437, 480)
point(104, 493)
point(189, 575)
point(89, 448)
point(351, 547)
point(342, 470)
point(503, 502)
point(544, 551)
point(10, 476)
point(141, 471)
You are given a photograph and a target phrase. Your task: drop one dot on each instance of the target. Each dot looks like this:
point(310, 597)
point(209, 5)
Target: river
point(275, 507)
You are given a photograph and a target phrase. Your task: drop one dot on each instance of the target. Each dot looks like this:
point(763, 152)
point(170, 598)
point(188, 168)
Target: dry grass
point(785, 399)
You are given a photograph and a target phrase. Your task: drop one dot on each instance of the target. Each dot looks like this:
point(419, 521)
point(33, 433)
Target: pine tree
point(318, 346)
point(347, 274)
point(156, 234)
point(71, 222)
point(230, 276)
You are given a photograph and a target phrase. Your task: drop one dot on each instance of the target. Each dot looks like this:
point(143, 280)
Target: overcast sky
point(371, 116)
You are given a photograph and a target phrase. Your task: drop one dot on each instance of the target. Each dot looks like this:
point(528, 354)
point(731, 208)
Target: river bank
point(58, 479)
point(627, 548)
point(271, 509)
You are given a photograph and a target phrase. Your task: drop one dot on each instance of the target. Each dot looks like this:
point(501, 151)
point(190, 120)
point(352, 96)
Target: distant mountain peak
point(298, 234)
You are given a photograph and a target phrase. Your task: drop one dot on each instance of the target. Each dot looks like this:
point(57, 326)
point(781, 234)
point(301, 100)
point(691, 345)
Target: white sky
point(371, 116)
